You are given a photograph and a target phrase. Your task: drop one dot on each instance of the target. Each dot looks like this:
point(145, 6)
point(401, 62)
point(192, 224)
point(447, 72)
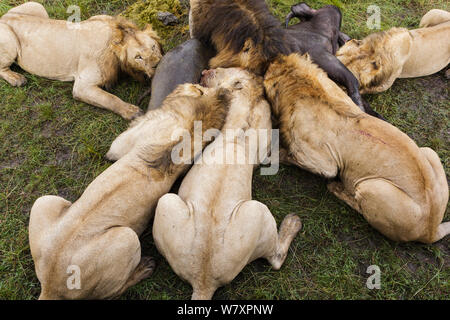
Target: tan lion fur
point(399, 188)
point(434, 17)
point(91, 53)
point(380, 58)
point(98, 234)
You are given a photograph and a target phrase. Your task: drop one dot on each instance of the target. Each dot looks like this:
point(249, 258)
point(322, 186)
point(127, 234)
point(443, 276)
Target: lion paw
point(132, 112)
point(335, 187)
point(15, 79)
point(148, 265)
point(290, 226)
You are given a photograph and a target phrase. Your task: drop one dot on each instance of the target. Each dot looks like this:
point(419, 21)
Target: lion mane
point(114, 60)
point(243, 32)
point(374, 63)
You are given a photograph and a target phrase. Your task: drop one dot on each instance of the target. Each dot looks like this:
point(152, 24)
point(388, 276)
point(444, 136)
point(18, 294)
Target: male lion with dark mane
point(246, 34)
point(399, 188)
point(92, 53)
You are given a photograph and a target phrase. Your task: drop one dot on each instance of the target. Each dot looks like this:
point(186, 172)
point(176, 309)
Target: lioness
point(213, 228)
point(382, 57)
point(399, 188)
point(96, 238)
point(92, 53)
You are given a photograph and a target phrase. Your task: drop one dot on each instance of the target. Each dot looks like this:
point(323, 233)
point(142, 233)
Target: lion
point(246, 34)
point(399, 188)
point(213, 228)
point(91, 53)
point(96, 238)
point(243, 32)
point(380, 58)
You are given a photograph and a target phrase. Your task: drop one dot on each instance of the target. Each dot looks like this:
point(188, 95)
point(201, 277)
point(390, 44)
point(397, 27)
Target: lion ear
point(152, 33)
point(148, 28)
point(125, 25)
point(354, 42)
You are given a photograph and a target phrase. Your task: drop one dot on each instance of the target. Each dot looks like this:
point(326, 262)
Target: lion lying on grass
point(96, 237)
point(212, 229)
point(91, 53)
point(377, 170)
point(382, 57)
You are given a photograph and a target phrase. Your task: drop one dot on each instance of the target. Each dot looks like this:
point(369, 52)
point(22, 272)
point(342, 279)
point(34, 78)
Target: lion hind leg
point(440, 196)
point(289, 228)
point(109, 264)
point(254, 218)
point(45, 212)
point(143, 270)
point(391, 211)
point(434, 17)
point(30, 8)
point(174, 233)
point(337, 188)
point(442, 231)
point(9, 49)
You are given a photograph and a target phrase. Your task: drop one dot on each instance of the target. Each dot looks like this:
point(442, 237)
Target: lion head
point(376, 59)
point(138, 51)
point(233, 79)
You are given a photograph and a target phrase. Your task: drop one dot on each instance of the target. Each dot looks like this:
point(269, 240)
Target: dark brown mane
point(234, 22)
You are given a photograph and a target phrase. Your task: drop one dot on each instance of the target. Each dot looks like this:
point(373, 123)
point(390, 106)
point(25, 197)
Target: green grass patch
point(143, 12)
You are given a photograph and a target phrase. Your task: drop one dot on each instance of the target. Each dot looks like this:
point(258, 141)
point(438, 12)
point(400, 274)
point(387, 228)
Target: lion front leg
point(94, 95)
point(9, 46)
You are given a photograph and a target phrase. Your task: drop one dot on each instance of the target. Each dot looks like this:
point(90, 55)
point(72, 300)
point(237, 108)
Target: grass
point(52, 144)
